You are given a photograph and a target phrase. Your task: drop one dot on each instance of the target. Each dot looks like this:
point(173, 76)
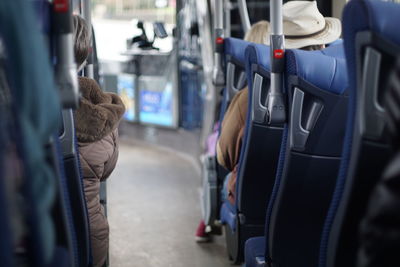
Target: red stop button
point(279, 53)
point(61, 6)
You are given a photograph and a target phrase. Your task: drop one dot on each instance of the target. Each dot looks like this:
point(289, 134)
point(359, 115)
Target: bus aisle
point(153, 203)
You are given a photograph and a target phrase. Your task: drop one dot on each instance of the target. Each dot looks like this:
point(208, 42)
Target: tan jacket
point(230, 141)
point(96, 122)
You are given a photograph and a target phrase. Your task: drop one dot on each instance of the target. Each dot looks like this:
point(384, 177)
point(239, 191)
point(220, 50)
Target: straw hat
point(304, 25)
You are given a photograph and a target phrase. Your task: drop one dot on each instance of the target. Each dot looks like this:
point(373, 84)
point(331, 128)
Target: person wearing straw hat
point(305, 28)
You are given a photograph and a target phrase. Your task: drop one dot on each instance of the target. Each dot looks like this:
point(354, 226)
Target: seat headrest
point(378, 16)
point(325, 72)
point(259, 54)
point(336, 49)
point(236, 48)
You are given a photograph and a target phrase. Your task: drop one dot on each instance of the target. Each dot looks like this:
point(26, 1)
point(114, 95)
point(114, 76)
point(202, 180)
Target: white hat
point(304, 25)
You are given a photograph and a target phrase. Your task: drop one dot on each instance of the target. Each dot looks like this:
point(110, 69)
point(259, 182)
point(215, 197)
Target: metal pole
point(276, 102)
point(227, 17)
point(276, 17)
point(86, 12)
point(244, 15)
point(219, 15)
point(218, 72)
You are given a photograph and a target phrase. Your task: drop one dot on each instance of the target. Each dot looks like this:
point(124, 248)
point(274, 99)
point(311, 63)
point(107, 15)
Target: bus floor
point(154, 209)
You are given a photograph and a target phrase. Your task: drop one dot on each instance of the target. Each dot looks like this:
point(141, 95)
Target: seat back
point(72, 218)
point(261, 142)
point(315, 85)
point(70, 155)
point(258, 158)
point(37, 104)
point(371, 43)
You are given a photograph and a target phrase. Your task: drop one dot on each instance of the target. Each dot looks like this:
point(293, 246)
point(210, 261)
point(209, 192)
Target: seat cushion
point(255, 252)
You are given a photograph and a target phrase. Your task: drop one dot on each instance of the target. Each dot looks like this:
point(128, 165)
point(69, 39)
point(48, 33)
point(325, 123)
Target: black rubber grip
point(62, 22)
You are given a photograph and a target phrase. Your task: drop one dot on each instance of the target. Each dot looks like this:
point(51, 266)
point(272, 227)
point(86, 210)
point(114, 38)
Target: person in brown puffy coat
point(96, 123)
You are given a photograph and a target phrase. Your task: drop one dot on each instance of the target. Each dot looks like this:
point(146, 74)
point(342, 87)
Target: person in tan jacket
point(96, 123)
point(304, 28)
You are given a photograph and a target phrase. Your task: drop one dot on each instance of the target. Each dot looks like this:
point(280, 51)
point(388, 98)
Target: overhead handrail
point(66, 76)
point(244, 15)
point(218, 71)
point(275, 101)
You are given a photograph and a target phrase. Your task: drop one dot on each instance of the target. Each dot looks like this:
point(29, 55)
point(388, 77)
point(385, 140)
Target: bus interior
point(317, 159)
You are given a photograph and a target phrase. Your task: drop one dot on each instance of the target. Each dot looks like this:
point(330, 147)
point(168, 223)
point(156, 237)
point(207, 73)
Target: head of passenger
point(304, 27)
point(81, 41)
point(258, 33)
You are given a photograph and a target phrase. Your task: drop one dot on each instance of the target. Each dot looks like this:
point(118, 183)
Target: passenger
point(257, 34)
point(304, 28)
point(96, 122)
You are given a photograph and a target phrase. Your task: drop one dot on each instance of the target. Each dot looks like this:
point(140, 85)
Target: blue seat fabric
point(335, 50)
point(307, 65)
point(235, 48)
point(255, 248)
point(382, 18)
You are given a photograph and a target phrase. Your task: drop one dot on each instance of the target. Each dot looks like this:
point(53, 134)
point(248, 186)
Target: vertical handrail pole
point(65, 69)
point(218, 71)
point(244, 15)
point(89, 72)
point(227, 17)
point(276, 102)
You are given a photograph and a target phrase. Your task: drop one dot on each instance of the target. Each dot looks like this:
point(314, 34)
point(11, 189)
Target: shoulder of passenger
point(98, 152)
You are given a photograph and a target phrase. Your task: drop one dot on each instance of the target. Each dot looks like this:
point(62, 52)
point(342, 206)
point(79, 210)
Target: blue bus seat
point(66, 164)
point(34, 95)
point(70, 155)
point(213, 173)
point(258, 160)
point(71, 213)
point(316, 86)
point(372, 42)
point(321, 81)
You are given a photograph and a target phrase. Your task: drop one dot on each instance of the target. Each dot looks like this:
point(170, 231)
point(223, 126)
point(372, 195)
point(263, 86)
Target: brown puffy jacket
point(230, 141)
point(96, 122)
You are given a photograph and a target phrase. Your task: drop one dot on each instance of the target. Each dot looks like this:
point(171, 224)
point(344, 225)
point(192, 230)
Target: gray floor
point(153, 198)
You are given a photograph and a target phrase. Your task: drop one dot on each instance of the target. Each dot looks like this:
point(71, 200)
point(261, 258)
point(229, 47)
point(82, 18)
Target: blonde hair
point(258, 33)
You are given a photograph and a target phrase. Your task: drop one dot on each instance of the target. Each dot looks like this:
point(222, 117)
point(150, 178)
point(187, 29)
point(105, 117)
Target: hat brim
point(331, 32)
